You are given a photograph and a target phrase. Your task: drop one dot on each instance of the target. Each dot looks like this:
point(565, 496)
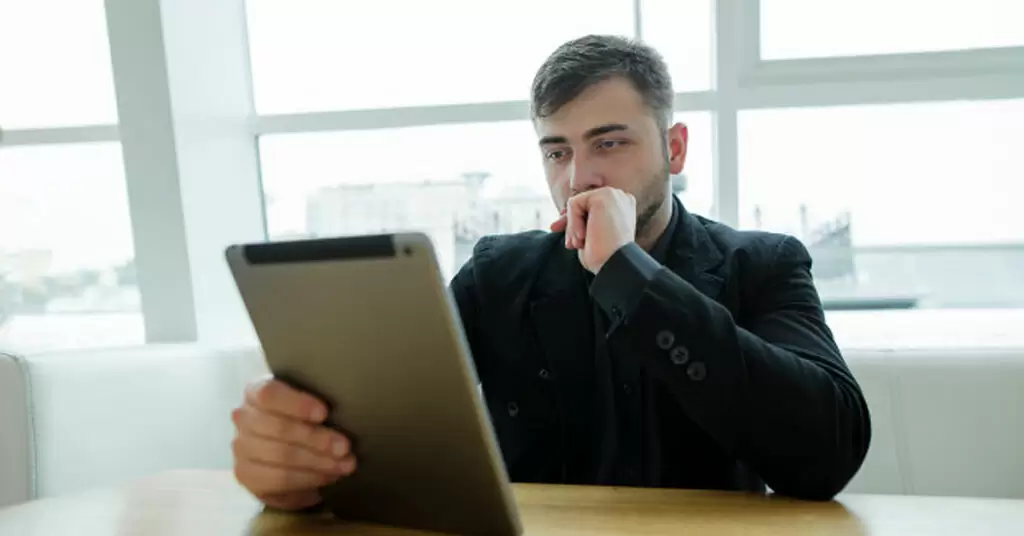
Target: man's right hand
point(283, 452)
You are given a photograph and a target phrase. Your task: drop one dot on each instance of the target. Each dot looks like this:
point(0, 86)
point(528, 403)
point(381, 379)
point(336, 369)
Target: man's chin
point(645, 216)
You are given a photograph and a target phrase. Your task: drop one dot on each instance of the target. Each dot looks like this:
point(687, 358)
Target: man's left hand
point(597, 223)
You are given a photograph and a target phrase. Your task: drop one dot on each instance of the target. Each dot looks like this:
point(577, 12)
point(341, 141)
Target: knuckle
point(278, 427)
point(316, 437)
point(281, 479)
point(281, 453)
point(266, 394)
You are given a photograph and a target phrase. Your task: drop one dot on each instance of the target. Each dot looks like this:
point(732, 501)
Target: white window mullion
point(51, 136)
point(731, 52)
point(638, 20)
point(185, 110)
point(853, 92)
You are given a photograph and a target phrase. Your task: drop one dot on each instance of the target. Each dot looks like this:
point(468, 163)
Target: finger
point(295, 500)
point(558, 225)
point(280, 454)
point(262, 479)
point(323, 440)
point(576, 213)
point(275, 396)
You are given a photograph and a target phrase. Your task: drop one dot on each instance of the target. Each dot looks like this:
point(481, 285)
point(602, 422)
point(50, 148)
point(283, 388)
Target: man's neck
point(656, 226)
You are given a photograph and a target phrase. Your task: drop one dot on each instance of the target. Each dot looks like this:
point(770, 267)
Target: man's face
point(607, 136)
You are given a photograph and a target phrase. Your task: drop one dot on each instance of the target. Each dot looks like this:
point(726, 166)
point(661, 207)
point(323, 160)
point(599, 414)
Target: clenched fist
point(597, 223)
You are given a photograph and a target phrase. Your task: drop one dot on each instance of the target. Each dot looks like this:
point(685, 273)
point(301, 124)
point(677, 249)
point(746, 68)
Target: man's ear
point(678, 141)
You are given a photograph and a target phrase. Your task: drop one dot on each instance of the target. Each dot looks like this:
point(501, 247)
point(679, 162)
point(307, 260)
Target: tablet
point(367, 324)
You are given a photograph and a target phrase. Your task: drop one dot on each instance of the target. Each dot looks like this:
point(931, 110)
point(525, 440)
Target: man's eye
point(609, 144)
point(557, 154)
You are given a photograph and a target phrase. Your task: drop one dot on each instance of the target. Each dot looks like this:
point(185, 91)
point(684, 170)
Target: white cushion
point(881, 472)
point(104, 416)
point(962, 423)
point(16, 462)
point(944, 422)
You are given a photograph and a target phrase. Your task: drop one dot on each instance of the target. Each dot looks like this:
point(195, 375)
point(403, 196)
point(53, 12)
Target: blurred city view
point(41, 308)
point(101, 304)
point(455, 216)
point(889, 225)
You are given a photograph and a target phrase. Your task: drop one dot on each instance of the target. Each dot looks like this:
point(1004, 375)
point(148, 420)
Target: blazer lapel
point(694, 257)
point(560, 316)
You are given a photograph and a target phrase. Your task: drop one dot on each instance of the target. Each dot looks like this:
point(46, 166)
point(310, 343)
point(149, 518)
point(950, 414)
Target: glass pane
point(67, 277)
point(825, 28)
point(55, 61)
point(681, 31)
point(902, 205)
point(310, 55)
point(454, 182)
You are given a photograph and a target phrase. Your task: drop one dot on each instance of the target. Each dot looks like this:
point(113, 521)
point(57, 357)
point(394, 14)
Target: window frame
point(741, 80)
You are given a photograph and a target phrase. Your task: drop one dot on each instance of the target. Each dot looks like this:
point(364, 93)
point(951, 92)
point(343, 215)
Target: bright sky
point(937, 173)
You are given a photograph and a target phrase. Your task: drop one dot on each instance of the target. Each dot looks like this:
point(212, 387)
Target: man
point(636, 343)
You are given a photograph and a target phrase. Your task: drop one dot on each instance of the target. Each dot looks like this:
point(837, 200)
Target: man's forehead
point(613, 101)
point(588, 126)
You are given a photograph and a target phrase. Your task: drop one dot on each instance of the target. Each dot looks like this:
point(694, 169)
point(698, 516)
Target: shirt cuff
point(619, 285)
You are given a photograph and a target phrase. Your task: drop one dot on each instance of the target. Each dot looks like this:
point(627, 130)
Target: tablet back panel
point(367, 324)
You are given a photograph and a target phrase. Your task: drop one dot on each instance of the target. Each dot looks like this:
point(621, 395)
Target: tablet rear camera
point(408, 251)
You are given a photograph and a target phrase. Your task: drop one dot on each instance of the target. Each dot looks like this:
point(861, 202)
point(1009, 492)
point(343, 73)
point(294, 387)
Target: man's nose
point(583, 176)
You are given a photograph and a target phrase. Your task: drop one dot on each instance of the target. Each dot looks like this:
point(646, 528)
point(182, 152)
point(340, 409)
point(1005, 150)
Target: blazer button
point(697, 371)
point(513, 409)
point(679, 355)
point(544, 374)
point(664, 339)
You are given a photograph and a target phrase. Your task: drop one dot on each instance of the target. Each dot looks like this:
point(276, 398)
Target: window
point(681, 32)
point(310, 55)
point(826, 28)
point(897, 202)
point(67, 278)
point(697, 185)
point(453, 182)
point(56, 64)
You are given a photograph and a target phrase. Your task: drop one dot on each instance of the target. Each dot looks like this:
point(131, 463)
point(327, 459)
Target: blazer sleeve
point(775, 392)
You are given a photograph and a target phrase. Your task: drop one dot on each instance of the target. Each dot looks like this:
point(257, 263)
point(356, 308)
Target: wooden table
point(209, 503)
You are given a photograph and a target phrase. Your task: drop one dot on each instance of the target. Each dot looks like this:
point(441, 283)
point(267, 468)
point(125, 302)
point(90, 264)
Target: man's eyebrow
point(592, 133)
point(604, 129)
point(548, 140)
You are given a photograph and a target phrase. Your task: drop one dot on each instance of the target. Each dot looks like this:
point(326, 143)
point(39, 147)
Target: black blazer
point(758, 394)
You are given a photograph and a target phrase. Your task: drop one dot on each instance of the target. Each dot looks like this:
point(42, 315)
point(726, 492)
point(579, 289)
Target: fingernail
point(347, 466)
point(340, 448)
point(318, 414)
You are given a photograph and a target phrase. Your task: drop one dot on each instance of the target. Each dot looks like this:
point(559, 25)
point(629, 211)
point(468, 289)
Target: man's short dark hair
point(588, 60)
